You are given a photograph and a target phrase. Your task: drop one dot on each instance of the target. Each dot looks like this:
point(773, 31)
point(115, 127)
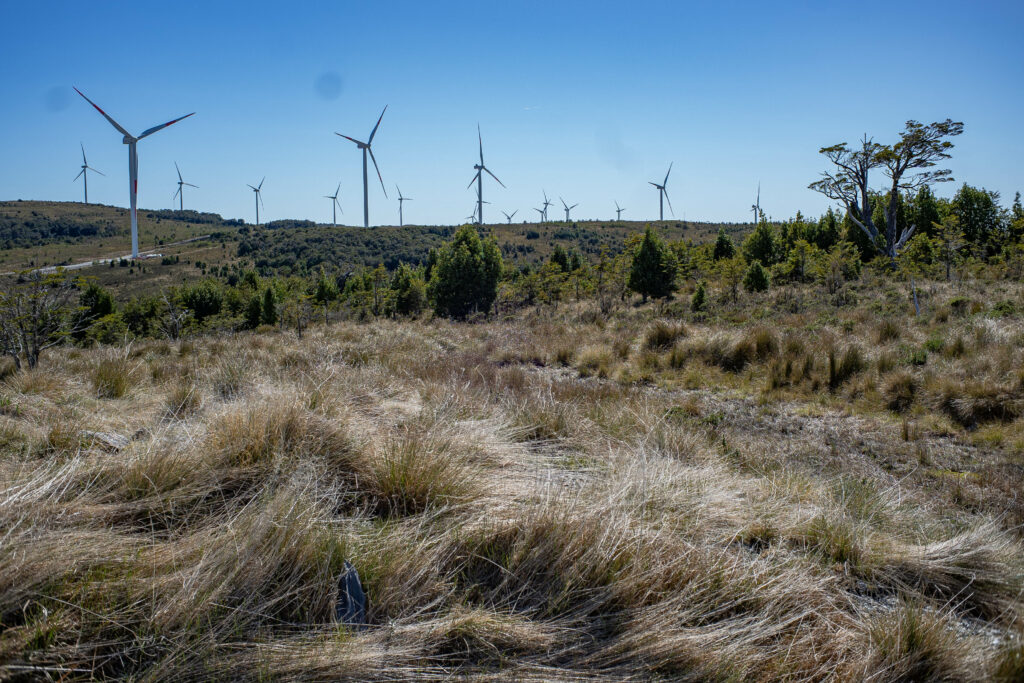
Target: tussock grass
point(512, 518)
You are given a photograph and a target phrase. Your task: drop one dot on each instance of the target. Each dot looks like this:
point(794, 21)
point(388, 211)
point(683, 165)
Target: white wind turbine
point(335, 205)
point(259, 198)
point(366, 148)
point(180, 194)
point(756, 207)
point(401, 200)
point(546, 204)
point(510, 215)
point(567, 209)
point(133, 164)
point(618, 211)
point(84, 175)
point(663, 196)
point(478, 179)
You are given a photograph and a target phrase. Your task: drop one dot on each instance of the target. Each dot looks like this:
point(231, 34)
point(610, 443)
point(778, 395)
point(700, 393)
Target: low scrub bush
point(663, 335)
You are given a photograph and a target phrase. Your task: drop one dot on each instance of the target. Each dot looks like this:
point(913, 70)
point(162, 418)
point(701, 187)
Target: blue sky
point(587, 100)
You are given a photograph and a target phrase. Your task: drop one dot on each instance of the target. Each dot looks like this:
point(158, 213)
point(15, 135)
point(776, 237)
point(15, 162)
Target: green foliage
point(268, 309)
point(979, 216)
point(762, 244)
point(410, 290)
point(653, 272)
point(203, 299)
point(465, 276)
point(699, 301)
point(724, 248)
point(756, 278)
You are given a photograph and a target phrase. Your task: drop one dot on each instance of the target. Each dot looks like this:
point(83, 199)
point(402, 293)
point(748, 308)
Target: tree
point(762, 244)
point(326, 291)
point(410, 290)
point(731, 271)
point(699, 301)
point(268, 311)
point(36, 313)
point(464, 278)
point(977, 211)
point(905, 163)
point(94, 303)
point(724, 248)
point(653, 271)
point(756, 278)
point(560, 257)
point(204, 299)
point(924, 211)
point(950, 239)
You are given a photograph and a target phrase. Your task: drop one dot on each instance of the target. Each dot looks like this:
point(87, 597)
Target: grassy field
point(782, 489)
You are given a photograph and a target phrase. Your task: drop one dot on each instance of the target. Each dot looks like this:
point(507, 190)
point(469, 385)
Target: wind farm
point(744, 442)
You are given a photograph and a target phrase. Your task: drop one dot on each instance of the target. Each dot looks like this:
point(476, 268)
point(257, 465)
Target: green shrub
point(756, 278)
point(663, 334)
point(464, 278)
point(699, 301)
point(841, 369)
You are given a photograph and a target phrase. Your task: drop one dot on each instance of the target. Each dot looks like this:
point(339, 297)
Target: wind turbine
point(567, 209)
point(478, 179)
point(85, 176)
point(335, 205)
point(756, 208)
point(546, 204)
point(540, 213)
point(133, 164)
point(401, 199)
point(663, 196)
point(259, 198)
point(618, 212)
point(365, 146)
point(510, 215)
point(179, 194)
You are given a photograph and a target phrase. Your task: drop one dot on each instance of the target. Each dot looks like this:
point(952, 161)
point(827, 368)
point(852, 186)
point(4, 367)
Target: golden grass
point(543, 498)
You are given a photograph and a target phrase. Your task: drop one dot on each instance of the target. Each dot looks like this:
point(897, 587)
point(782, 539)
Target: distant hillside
point(35, 234)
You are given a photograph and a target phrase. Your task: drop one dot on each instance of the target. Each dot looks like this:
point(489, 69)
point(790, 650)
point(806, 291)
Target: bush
point(756, 278)
point(464, 279)
point(653, 273)
point(699, 302)
point(899, 391)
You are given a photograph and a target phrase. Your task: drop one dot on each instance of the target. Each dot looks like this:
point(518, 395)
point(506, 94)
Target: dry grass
point(547, 498)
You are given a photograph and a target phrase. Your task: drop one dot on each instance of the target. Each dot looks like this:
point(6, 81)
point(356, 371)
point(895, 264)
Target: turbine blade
point(337, 190)
point(480, 138)
point(348, 138)
point(176, 193)
point(253, 188)
point(177, 169)
point(563, 203)
point(655, 184)
point(476, 178)
point(191, 185)
point(375, 166)
point(494, 176)
point(79, 174)
point(669, 202)
point(95, 171)
point(114, 123)
point(84, 162)
point(514, 213)
point(666, 175)
point(574, 206)
point(370, 141)
point(261, 183)
point(339, 205)
point(154, 129)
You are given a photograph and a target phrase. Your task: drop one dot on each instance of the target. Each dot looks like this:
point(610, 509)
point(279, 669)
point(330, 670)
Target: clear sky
point(587, 100)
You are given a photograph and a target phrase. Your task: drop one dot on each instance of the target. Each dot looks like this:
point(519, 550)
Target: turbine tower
point(179, 194)
point(756, 208)
point(567, 209)
point(478, 179)
point(618, 211)
point(85, 176)
point(335, 205)
point(510, 215)
point(663, 196)
point(546, 204)
point(133, 164)
point(259, 198)
point(401, 199)
point(366, 148)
